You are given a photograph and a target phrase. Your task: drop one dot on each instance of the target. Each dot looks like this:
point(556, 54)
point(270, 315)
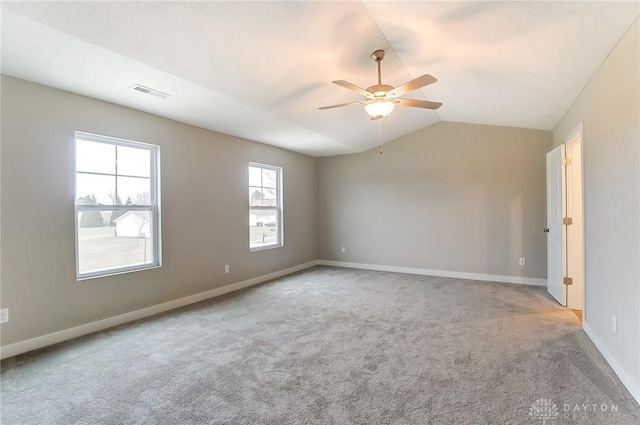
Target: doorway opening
point(565, 223)
point(575, 231)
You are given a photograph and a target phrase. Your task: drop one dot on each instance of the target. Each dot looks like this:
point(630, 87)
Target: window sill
point(116, 272)
point(266, 247)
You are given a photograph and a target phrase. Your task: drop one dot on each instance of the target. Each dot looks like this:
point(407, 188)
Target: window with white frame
point(265, 206)
point(117, 215)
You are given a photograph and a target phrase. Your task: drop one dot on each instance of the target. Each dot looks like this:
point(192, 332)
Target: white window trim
point(278, 209)
point(153, 208)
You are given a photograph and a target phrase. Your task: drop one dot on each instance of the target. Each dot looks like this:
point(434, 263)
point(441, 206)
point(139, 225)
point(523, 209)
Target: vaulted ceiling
point(260, 70)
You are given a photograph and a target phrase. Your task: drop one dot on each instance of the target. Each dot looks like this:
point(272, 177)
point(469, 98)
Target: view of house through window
point(265, 206)
point(116, 205)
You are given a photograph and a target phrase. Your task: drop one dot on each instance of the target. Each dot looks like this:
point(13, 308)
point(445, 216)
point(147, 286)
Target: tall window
point(116, 205)
point(265, 206)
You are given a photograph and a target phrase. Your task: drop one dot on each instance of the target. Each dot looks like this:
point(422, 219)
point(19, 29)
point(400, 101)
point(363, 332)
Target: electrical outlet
point(614, 323)
point(344, 249)
point(523, 261)
point(4, 315)
point(226, 268)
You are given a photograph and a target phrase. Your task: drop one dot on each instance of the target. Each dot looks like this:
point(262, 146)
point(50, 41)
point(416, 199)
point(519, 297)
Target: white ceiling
point(260, 70)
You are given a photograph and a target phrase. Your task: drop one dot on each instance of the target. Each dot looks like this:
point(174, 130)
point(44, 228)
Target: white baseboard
point(633, 387)
point(67, 334)
point(441, 273)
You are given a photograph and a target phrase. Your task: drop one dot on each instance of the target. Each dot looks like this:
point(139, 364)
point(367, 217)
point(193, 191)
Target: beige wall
point(451, 197)
point(609, 110)
point(204, 211)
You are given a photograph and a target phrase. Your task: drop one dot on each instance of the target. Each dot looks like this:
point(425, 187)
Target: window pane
point(95, 157)
point(255, 176)
point(95, 189)
point(134, 161)
point(263, 228)
point(128, 242)
point(255, 197)
point(269, 178)
point(134, 190)
point(269, 198)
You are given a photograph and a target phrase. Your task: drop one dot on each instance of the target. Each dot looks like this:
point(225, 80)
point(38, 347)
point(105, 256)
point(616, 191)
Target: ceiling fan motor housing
point(379, 89)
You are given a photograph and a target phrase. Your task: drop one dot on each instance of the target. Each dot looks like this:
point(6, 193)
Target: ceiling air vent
point(149, 91)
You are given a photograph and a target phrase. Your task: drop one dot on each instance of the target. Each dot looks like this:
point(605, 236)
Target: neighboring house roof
point(136, 215)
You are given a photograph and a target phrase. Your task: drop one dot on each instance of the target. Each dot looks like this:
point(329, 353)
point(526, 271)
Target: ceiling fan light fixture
point(379, 108)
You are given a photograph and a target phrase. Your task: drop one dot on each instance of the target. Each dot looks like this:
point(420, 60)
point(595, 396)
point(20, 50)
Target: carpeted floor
point(330, 346)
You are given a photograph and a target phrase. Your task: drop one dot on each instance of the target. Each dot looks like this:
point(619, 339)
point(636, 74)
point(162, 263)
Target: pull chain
point(380, 137)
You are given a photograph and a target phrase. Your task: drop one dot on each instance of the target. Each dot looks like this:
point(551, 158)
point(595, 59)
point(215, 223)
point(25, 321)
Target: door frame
point(577, 136)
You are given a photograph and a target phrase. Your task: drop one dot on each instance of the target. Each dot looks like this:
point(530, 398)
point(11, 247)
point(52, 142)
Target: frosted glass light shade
point(379, 108)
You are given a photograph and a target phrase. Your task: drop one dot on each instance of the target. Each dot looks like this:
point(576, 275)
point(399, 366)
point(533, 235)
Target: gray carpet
point(330, 346)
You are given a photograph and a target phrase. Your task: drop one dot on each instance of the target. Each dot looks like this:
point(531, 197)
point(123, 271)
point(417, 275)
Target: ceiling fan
point(380, 99)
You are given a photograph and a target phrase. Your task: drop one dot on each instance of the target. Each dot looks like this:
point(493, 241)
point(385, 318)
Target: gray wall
point(452, 197)
point(204, 211)
point(609, 109)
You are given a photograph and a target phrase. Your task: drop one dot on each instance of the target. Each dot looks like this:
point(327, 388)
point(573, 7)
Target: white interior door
point(556, 187)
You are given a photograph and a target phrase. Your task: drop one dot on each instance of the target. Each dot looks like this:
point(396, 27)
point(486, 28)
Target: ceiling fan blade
point(353, 87)
point(362, 102)
point(412, 85)
point(417, 103)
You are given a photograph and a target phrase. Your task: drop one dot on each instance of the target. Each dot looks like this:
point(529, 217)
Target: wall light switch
point(523, 261)
point(344, 249)
point(226, 268)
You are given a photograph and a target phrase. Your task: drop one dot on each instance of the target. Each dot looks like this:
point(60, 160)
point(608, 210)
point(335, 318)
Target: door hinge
point(567, 281)
point(566, 161)
point(567, 221)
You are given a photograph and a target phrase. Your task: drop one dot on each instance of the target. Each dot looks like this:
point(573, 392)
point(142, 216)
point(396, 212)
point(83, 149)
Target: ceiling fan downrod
point(379, 90)
point(377, 56)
